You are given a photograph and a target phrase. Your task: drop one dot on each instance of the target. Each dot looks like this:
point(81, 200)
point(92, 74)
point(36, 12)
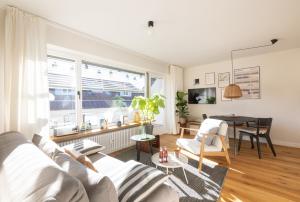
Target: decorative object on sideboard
point(233, 90)
point(196, 81)
point(210, 78)
point(249, 81)
point(125, 120)
point(136, 117)
point(223, 79)
point(119, 123)
point(182, 109)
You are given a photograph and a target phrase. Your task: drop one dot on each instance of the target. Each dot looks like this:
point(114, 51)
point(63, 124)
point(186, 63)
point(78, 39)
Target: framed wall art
point(248, 79)
point(210, 78)
point(223, 79)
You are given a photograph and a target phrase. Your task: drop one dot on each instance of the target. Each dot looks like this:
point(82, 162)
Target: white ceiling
point(187, 32)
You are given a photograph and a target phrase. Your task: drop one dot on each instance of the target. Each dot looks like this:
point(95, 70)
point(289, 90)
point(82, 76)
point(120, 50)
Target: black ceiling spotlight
point(150, 23)
point(273, 41)
point(150, 27)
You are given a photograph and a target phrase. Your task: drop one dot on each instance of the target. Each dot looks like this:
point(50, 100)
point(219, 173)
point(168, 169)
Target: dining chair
point(260, 128)
point(210, 140)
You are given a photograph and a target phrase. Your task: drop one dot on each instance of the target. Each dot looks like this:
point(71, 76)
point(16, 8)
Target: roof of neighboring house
point(65, 81)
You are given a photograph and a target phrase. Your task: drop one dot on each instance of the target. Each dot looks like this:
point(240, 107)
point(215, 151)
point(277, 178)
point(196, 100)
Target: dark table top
point(234, 118)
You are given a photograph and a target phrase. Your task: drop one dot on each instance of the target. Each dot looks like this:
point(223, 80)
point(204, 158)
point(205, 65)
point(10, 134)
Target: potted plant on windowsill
point(149, 109)
point(182, 109)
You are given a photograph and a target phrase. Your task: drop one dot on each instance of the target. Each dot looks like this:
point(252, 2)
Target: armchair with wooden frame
point(209, 144)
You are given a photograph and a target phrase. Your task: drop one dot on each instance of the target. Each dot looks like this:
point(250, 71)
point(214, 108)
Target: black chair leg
point(240, 141)
point(258, 146)
point(252, 145)
point(270, 144)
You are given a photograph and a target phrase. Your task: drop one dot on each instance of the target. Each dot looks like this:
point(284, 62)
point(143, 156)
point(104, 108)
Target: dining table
point(234, 120)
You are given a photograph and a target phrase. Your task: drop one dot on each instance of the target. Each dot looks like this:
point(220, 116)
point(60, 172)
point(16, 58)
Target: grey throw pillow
point(49, 147)
point(98, 186)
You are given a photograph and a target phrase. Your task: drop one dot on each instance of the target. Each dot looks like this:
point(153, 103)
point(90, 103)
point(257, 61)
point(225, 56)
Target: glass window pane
point(157, 87)
point(107, 92)
point(62, 92)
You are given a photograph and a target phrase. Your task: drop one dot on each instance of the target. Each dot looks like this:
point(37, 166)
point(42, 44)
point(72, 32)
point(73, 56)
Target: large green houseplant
point(149, 109)
point(182, 109)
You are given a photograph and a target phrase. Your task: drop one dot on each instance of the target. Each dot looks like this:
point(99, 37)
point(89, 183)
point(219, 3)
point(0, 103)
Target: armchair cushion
point(253, 131)
point(208, 126)
point(193, 146)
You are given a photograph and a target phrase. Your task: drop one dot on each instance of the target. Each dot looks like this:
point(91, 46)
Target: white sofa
point(28, 174)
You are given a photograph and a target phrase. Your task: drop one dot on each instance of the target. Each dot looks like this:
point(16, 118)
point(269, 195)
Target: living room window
point(107, 92)
point(62, 92)
point(157, 86)
point(81, 91)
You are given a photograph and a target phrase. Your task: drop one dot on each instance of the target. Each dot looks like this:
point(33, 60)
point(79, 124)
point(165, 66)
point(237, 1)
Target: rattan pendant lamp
point(233, 90)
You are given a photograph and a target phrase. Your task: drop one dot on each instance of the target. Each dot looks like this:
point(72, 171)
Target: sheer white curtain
point(25, 85)
point(175, 83)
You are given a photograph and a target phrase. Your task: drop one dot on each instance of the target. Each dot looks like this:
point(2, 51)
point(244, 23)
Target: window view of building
point(100, 91)
point(62, 92)
point(107, 92)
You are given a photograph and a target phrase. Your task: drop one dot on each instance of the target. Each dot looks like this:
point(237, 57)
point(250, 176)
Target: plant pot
point(182, 120)
point(149, 129)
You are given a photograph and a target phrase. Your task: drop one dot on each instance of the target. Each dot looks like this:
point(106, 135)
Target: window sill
point(93, 132)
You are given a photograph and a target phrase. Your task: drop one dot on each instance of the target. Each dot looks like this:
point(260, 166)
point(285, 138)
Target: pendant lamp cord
point(273, 41)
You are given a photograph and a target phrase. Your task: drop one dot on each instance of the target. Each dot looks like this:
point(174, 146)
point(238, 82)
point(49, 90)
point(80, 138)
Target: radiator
point(113, 141)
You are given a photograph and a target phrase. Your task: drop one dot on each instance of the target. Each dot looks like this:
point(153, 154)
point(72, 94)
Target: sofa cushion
point(193, 146)
point(27, 174)
point(108, 165)
point(81, 159)
point(49, 147)
point(98, 186)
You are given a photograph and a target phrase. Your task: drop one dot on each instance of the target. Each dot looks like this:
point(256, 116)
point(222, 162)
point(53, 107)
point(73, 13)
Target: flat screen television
point(202, 96)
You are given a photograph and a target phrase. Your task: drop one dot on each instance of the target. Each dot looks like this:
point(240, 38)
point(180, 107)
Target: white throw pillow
point(206, 130)
point(86, 147)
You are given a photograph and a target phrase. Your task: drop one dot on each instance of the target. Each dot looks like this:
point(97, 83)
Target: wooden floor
point(251, 179)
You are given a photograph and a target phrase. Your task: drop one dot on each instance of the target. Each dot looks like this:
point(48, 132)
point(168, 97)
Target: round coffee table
point(173, 162)
point(142, 138)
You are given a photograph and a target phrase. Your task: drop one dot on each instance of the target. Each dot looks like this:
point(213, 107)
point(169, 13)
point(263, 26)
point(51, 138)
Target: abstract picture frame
point(210, 78)
point(223, 79)
point(248, 78)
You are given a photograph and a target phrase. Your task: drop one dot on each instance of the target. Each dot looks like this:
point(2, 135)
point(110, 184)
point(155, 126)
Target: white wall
point(280, 93)
point(76, 41)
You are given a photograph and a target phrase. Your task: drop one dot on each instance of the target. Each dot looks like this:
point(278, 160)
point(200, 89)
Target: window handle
point(78, 93)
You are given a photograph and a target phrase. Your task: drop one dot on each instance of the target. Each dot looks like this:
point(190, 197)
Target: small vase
point(137, 117)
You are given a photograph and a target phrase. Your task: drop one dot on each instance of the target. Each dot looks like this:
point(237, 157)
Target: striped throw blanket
point(135, 181)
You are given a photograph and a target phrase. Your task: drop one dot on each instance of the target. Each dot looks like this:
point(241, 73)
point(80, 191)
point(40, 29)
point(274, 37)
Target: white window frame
point(163, 77)
point(78, 58)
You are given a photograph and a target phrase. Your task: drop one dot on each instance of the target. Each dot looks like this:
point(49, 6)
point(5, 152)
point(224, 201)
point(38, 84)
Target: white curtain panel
point(25, 85)
point(175, 81)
